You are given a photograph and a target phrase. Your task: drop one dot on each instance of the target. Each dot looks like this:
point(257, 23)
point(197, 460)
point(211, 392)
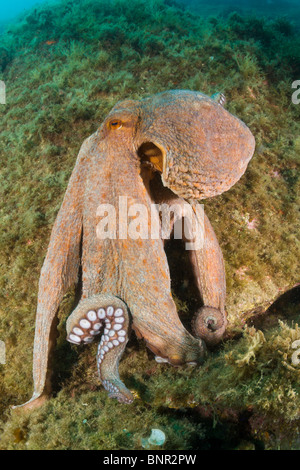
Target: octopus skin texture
point(176, 146)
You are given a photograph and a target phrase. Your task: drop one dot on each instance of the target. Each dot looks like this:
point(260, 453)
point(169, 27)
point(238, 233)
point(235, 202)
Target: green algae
point(64, 69)
point(94, 422)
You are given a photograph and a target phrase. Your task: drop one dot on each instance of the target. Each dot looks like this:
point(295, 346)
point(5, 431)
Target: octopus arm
point(209, 322)
point(58, 274)
point(208, 266)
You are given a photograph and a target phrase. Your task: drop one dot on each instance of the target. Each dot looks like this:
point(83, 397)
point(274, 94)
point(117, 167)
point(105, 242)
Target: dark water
point(259, 8)
point(9, 10)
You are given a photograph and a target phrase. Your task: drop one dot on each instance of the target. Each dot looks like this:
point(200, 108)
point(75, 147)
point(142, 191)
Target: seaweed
point(64, 68)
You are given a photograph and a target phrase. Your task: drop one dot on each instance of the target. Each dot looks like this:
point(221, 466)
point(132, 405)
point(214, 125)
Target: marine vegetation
point(65, 67)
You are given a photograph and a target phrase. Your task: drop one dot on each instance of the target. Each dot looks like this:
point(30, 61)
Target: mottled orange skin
point(205, 150)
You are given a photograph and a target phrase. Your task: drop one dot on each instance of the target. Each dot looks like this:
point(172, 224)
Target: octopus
point(175, 147)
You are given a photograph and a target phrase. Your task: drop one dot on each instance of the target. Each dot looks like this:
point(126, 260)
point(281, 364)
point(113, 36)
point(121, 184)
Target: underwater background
point(65, 64)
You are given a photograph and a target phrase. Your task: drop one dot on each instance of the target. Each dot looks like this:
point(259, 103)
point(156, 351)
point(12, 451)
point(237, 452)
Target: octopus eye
point(115, 124)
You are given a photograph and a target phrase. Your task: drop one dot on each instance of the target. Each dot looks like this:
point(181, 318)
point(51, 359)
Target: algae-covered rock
point(70, 66)
point(5, 58)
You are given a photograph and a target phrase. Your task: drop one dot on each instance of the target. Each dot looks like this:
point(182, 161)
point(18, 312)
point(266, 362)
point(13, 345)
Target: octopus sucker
point(107, 314)
point(209, 323)
point(176, 146)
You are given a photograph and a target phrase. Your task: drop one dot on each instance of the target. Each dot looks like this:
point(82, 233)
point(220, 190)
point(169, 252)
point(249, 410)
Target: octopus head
point(200, 149)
